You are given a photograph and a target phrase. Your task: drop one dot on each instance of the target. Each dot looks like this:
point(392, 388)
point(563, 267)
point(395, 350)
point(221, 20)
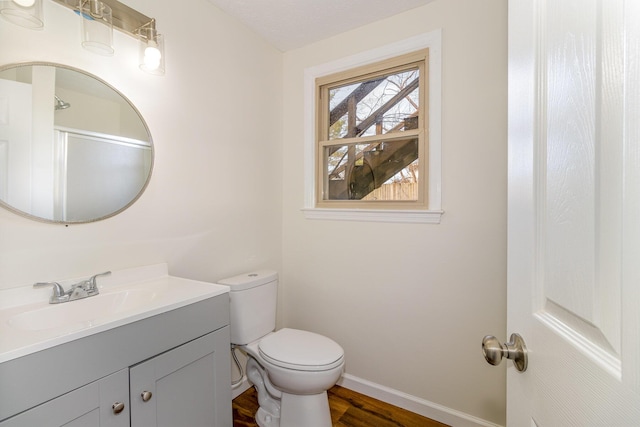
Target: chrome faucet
point(83, 289)
point(58, 295)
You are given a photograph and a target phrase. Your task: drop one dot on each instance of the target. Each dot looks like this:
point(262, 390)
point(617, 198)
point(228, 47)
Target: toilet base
point(311, 410)
point(308, 411)
point(265, 419)
point(280, 409)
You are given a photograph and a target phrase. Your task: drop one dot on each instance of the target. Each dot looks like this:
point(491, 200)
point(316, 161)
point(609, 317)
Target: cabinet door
point(88, 406)
point(187, 386)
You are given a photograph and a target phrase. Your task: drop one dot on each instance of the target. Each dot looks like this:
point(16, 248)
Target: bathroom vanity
point(153, 351)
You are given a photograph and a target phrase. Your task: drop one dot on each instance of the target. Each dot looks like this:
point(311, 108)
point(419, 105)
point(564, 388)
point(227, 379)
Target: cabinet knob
point(146, 396)
point(117, 407)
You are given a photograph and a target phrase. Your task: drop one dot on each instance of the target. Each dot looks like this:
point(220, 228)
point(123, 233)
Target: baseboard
point(240, 388)
point(397, 398)
point(414, 404)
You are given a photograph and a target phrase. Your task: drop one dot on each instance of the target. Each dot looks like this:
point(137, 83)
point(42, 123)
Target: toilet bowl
point(291, 369)
point(296, 381)
point(299, 362)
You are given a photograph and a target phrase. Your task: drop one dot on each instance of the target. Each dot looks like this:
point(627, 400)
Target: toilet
point(291, 369)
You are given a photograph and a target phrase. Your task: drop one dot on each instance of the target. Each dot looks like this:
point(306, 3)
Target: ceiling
point(290, 24)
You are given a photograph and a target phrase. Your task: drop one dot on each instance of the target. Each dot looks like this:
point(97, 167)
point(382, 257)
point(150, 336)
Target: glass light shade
point(97, 27)
point(24, 3)
point(26, 13)
point(152, 53)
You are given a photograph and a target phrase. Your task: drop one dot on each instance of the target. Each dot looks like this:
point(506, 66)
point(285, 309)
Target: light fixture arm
point(95, 8)
point(125, 18)
point(148, 31)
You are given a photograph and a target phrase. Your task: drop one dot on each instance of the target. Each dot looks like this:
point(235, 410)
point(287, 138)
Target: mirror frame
point(135, 109)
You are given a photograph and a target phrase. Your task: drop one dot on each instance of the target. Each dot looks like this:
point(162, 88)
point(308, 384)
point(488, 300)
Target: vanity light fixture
point(26, 13)
point(97, 26)
point(99, 19)
point(151, 48)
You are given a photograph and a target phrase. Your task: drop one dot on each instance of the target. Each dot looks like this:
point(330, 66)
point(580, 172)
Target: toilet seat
point(301, 350)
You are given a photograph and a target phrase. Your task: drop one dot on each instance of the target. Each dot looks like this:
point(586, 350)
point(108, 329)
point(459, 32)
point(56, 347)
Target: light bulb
point(24, 3)
point(152, 56)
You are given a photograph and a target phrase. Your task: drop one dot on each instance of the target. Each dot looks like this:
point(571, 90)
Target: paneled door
point(574, 212)
point(15, 143)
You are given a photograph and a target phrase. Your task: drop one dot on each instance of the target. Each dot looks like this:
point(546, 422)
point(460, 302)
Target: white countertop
point(125, 296)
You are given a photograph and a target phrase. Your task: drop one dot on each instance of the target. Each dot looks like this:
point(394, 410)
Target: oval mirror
point(72, 148)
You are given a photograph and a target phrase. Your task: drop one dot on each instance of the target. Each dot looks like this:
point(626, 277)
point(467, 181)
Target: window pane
point(385, 171)
point(375, 106)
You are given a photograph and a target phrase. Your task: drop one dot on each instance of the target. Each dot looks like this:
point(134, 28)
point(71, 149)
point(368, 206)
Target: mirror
point(72, 148)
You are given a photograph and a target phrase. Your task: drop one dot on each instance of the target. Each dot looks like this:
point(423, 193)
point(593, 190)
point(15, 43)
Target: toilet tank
point(253, 298)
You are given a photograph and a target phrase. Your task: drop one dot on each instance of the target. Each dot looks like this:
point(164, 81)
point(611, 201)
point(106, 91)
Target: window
point(373, 134)
point(372, 137)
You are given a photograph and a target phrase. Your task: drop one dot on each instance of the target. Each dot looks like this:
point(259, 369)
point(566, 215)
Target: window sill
point(371, 215)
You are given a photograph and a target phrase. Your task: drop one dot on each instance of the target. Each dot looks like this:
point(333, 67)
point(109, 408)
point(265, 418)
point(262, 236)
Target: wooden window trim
point(415, 60)
point(433, 214)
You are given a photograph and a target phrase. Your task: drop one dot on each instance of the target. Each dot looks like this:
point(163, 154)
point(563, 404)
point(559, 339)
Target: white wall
point(411, 303)
point(213, 206)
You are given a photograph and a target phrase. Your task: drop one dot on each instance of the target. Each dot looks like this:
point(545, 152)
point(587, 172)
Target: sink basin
point(81, 313)
point(28, 323)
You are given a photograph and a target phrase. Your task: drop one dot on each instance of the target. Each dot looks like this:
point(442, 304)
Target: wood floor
point(348, 409)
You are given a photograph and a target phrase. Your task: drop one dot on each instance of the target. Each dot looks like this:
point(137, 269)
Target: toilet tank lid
point(249, 280)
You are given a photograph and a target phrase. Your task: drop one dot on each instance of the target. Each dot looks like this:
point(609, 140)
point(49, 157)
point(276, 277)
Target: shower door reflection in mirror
point(96, 173)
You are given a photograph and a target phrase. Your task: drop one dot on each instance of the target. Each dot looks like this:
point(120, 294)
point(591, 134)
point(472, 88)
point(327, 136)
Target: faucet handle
point(58, 295)
point(92, 280)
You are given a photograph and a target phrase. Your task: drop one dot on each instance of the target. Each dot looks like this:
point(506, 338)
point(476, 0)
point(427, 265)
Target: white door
point(574, 212)
point(15, 143)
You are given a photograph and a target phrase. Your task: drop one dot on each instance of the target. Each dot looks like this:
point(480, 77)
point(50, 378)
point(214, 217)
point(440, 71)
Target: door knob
point(146, 396)
point(515, 350)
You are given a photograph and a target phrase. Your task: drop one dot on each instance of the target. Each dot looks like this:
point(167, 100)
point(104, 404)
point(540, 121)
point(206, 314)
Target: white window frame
point(432, 215)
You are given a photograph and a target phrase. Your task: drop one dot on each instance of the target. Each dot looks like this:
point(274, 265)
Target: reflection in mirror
point(72, 148)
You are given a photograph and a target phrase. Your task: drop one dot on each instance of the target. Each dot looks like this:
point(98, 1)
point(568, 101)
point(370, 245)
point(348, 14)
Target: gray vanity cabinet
point(88, 406)
point(177, 388)
point(181, 358)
